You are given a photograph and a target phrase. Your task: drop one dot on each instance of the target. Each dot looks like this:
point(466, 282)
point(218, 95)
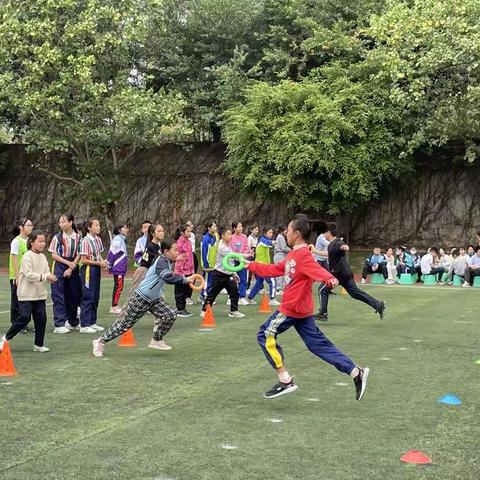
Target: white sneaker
point(87, 330)
point(466, 285)
point(98, 348)
point(97, 328)
point(236, 314)
point(262, 291)
point(390, 282)
point(229, 302)
point(243, 301)
point(363, 280)
point(115, 310)
point(40, 349)
point(61, 330)
point(251, 301)
point(71, 327)
point(224, 291)
point(189, 301)
point(274, 303)
point(2, 342)
point(159, 345)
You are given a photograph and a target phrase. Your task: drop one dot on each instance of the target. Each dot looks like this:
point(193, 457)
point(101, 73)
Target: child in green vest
point(18, 247)
point(263, 254)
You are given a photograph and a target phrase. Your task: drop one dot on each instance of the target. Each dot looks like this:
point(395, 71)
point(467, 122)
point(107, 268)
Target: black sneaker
point(184, 313)
point(322, 316)
point(381, 310)
point(360, 382)
point(281, 389)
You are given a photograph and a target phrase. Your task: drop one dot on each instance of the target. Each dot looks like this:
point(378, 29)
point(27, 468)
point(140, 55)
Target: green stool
point(430, 279)
point(377, 279)
point(406, 279)
point(476, 282)
point(457, 281)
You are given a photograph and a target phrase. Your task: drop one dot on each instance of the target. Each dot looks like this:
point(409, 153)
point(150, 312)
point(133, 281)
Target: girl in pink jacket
point(184, 266)
point(239, 244)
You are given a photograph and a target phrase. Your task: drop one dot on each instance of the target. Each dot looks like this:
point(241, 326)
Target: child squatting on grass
point(296, 310)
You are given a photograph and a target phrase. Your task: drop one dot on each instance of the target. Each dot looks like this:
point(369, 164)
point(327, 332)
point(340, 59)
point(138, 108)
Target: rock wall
point(437, 206)
point(167, 185)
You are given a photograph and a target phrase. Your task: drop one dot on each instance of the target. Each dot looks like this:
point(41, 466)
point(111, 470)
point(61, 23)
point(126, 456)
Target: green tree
point(68, 81)
point(324, 144)
point(427, 53)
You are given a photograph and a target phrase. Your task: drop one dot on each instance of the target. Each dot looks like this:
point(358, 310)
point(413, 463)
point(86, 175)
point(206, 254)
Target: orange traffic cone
point(265, 305)
point(208, 321)
point(127, 339)
point(7, 369)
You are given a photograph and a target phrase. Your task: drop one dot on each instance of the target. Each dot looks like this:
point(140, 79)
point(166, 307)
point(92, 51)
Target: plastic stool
point(457, 281)
point(378, 279)
point(476, 282)
point(430, 280)
point(407, 279)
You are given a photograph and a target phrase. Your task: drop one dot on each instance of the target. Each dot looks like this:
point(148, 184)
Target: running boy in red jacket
point(296, 310)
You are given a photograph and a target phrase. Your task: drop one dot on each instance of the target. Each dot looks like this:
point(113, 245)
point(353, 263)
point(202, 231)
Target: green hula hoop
point(233, 256)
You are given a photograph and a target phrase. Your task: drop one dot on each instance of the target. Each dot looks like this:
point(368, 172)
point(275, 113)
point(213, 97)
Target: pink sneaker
point(98, 348)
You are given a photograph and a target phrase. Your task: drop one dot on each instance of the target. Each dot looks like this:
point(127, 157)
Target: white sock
point(284, 377)
point(354, 372)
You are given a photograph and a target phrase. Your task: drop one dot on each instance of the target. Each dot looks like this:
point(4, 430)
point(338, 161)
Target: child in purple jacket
point(117, 261)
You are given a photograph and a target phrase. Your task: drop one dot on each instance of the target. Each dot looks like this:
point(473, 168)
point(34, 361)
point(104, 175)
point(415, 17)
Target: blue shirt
point(475, 260)
point(156, 277)
point(322, 245)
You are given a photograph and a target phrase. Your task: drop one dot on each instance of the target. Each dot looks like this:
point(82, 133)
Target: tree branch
point(60, 177)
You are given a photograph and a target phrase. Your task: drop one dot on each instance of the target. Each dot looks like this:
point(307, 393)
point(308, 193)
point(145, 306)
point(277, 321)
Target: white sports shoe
point(159, 345)
point(61, 330)
point(466, 285)
point(274, 303)
point(250, 301)
point(229, 302)
point(97, 328)
point(98, 348)
point(71, 327)
point(189, 301)
point(87, 330)
point(243, 301)
point(236, 314)
point(40, 349)
point(363, 281)
point(224, 291)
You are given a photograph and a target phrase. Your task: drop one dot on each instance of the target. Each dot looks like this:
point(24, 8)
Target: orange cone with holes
point(127, 339)
point(7, 369)
point(265, 305)
point(208, 321)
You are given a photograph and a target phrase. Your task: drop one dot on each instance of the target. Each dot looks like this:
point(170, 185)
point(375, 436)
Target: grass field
point(142, 414)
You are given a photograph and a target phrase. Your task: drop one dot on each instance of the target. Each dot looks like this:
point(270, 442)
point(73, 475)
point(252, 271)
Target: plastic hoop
point(233, 256)
point(202, 283)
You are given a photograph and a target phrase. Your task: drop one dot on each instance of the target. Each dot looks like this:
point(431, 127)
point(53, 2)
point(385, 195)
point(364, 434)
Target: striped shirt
point(64, 245)
point(91, 247)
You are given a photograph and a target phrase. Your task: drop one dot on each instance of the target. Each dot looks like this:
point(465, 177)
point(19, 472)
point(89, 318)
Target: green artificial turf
point(144, 414)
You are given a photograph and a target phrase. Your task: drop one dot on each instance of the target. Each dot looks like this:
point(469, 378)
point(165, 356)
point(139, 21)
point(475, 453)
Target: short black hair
point(302, 226)
point(477, 248)
point(118, 227)
point(332, 228)
point(32, 237)
point(167, 244)
point(434, 249)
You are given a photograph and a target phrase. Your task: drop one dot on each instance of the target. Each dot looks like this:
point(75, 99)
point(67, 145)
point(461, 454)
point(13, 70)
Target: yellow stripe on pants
point(87, 276)
point(271, 346)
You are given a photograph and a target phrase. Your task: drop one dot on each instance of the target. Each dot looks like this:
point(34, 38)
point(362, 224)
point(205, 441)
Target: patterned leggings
point(164, 314)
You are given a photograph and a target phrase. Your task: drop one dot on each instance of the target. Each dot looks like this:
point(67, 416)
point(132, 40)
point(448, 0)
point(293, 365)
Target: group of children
point(285, 263)
point(463, 262)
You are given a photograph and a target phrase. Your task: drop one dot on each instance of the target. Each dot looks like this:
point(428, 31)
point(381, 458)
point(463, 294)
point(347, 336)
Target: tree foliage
point(66, 81)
